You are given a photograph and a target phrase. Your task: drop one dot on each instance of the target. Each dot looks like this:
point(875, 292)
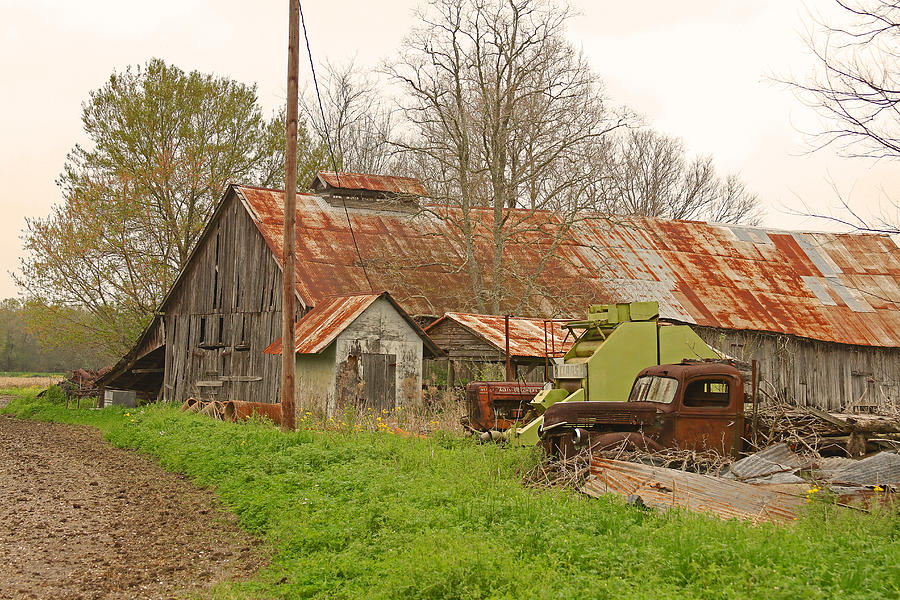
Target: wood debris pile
point(853, 459)
point(827, 434)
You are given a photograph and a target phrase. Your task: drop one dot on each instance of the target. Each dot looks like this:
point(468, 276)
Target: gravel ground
point(81, 519)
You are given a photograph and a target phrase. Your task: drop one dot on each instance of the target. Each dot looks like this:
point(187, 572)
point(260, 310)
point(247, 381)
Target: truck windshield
point(651, 388)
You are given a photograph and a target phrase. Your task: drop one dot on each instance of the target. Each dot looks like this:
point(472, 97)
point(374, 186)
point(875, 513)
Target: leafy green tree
point(14, 340)
point(21, 350)
point(163, 146)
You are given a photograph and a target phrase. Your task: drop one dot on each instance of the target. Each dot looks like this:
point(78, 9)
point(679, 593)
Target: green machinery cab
point(617, 341)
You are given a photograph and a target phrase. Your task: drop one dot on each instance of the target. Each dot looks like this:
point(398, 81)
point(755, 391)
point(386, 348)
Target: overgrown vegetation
point(377, 515)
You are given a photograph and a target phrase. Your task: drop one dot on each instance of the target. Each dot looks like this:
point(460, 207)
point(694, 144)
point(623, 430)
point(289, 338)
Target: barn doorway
point(380, 374)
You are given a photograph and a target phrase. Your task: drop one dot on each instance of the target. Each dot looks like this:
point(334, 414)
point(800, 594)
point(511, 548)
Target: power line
point(337, 176)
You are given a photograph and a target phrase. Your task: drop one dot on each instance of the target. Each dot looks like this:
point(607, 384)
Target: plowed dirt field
point(81, 519)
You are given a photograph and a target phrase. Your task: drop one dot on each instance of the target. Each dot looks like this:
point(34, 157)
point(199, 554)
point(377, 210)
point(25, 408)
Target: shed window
point(707, 392)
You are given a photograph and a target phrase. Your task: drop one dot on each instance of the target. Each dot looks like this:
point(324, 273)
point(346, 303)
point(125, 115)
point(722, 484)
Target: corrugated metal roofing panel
point(880, 469)
point(667, 488)
point(701, 273)
point(819, 287)
point(320, 326)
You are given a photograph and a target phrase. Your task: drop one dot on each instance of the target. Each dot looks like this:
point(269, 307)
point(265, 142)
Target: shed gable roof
point(318, 328)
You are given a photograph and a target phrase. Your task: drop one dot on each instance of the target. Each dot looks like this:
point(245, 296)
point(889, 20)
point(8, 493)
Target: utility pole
point(510, 372)
point(290, 216)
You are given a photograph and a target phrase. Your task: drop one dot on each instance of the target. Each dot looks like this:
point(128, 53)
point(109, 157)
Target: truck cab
point(691, 405)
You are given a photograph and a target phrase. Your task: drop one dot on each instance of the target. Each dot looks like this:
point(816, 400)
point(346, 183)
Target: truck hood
point(587, 414)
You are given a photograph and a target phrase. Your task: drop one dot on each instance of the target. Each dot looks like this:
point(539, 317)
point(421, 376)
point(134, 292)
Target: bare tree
point(502, 113)
point(651, 175)
point(857, 88)
point(357, 122)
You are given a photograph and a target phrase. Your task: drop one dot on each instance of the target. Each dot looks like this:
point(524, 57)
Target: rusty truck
point(690, 405)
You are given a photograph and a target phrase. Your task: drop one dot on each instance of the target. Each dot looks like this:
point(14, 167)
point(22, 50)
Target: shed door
point(380, 375)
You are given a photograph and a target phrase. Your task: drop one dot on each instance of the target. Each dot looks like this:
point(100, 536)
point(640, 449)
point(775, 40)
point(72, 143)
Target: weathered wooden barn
point(362, 351)
point(471, 341)
point(208, 335)
point(821, 311)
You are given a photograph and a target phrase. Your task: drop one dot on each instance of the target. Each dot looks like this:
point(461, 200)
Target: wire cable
point(337, 176)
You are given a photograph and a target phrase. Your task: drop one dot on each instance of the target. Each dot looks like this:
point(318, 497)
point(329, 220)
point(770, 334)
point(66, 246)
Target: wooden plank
point(240, 378)
point(208, 383)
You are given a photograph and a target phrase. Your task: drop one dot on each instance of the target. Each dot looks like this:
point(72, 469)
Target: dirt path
point(80, 519)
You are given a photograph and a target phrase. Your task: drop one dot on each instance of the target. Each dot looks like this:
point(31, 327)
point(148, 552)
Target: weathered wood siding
point(813, 373)
point(153, 338)
point(225, 310)
point(473, 359)
point(458, 343)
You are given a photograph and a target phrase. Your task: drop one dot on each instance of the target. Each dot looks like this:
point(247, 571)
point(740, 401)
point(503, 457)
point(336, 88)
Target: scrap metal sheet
point(667, 488)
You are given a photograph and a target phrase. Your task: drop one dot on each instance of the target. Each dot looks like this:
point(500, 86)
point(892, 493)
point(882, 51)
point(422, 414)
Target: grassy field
point(352, 514)
point(29, 374)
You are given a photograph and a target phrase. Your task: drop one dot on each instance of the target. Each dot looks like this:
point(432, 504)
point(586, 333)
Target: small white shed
point(363, 351)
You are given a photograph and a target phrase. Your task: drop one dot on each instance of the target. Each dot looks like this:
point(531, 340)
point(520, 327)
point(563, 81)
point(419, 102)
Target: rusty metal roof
point(320, 326)
point(315, 331)
point(834, 287)
point(842, 288)
point(526, 336)
point(371, 183)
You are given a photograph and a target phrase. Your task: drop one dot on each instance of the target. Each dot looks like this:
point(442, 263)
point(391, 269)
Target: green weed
point(370, 514)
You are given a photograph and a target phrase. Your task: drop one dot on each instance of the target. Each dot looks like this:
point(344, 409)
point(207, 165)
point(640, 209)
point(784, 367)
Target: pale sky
point(698, 70)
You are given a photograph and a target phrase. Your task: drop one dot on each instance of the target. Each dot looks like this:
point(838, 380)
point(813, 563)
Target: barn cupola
point(359, 190)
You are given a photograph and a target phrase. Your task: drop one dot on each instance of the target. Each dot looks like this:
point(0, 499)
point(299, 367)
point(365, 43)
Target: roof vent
point(359, 190)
